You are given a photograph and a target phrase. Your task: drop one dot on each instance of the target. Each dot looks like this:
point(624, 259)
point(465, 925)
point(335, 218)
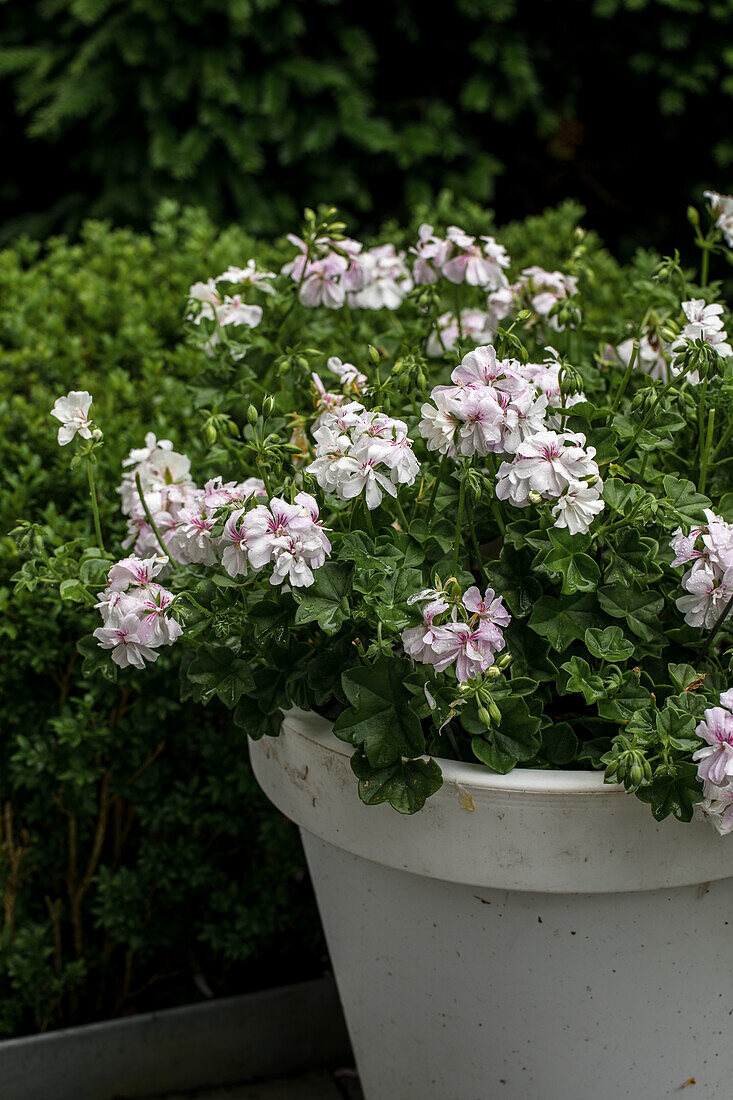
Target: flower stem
point(706, 448)
point(719, 622)
point(627, 375)
point(151, 521)
point(434, 493)
point(705, 266)
point(401, 514)
point(95, 505)
point(459, 525)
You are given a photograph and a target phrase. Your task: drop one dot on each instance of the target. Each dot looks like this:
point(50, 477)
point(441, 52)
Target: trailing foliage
point(139, 864)
point(254, 107)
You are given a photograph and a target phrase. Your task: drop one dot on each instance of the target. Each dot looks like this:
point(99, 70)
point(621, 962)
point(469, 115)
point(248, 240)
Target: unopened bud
point(252, 415)
point(97, 434)
point(484, 716)
point(373, 354)
point(268, 404)
point(534, 497)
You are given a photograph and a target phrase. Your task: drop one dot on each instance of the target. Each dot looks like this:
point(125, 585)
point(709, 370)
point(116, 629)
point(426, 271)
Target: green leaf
point(582, 681)
point(380, 718)
point(684, 500)
point(640, 609)
point(404, 784)
point(254, 722)
point(609, 644)
point(560, 744)
point(563, 621)
point(513, 741)
point(218, 671)
point(96, 659)
point(578, 570)
point(73, 590)
point(629, 697)
point(326, 601)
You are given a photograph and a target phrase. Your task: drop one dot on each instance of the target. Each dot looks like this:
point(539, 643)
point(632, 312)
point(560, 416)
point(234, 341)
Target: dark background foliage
point(256, 107)
point(140, 865)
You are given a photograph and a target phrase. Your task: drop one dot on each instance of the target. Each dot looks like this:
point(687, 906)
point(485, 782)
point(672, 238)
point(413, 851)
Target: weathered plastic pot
point(535, 935)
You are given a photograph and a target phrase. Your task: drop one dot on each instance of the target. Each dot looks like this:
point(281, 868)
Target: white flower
point(709, 591)
point(362, 452)
point(73, 412)
point(247, 276)
point(578, 506)
point(385, 279)
point(652, 356)
point(351, 377)
point(704, 323)
point(129, 641)
point(558, 467)
point(440, 420)
point(721, 207)
point(477, 264)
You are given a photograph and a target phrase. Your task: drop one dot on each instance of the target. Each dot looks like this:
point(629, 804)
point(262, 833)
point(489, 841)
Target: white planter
point(535, 936)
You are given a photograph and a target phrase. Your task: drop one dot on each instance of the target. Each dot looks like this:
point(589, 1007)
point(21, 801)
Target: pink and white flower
point(715, 760)
point(475, 261)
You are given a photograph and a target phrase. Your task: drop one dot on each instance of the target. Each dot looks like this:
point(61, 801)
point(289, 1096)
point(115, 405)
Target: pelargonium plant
point(463, 510)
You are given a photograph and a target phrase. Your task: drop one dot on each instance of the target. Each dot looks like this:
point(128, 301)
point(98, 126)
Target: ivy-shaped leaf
point(640, 609)
point(326, 601)
point(380, 718)
point(564, 621)
point(219, 671)
point(405, 784)
point(609, 644)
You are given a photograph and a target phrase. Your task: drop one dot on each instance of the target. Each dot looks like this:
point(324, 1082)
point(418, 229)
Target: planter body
point(535, 935)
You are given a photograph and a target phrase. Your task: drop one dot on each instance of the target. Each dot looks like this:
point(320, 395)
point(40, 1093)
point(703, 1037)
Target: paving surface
point(317, 1085)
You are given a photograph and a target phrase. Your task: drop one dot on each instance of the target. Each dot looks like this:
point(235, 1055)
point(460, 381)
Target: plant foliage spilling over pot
point(466, 506)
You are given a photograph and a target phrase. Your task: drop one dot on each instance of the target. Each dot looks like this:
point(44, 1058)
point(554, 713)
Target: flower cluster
point(290, 537)
point(360, 451)
point(470, 324)
point(490, 408)
point(537, 290)
point(459, 258)
point(715, 764)
point(704, 322)
point(135, 612)
point(721, 207)
point(183, 514)
point(555, 466)
point(334, 274)
point(208, 302)
point(709, 581)
point(466, 632)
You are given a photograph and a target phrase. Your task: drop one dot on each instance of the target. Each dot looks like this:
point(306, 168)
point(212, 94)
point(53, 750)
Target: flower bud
point(484, 716)
point(97, 434)
point(373, 354)
point(534, 497)
point(268, 404)
point(252, 415)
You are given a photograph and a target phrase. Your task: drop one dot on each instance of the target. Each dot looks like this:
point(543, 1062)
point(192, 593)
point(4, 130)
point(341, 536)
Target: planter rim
point(531, 830)
point(548, 781)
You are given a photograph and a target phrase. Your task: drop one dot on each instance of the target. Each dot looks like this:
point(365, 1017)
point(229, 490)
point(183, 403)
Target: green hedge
point(254, 107)
point(196, 881)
